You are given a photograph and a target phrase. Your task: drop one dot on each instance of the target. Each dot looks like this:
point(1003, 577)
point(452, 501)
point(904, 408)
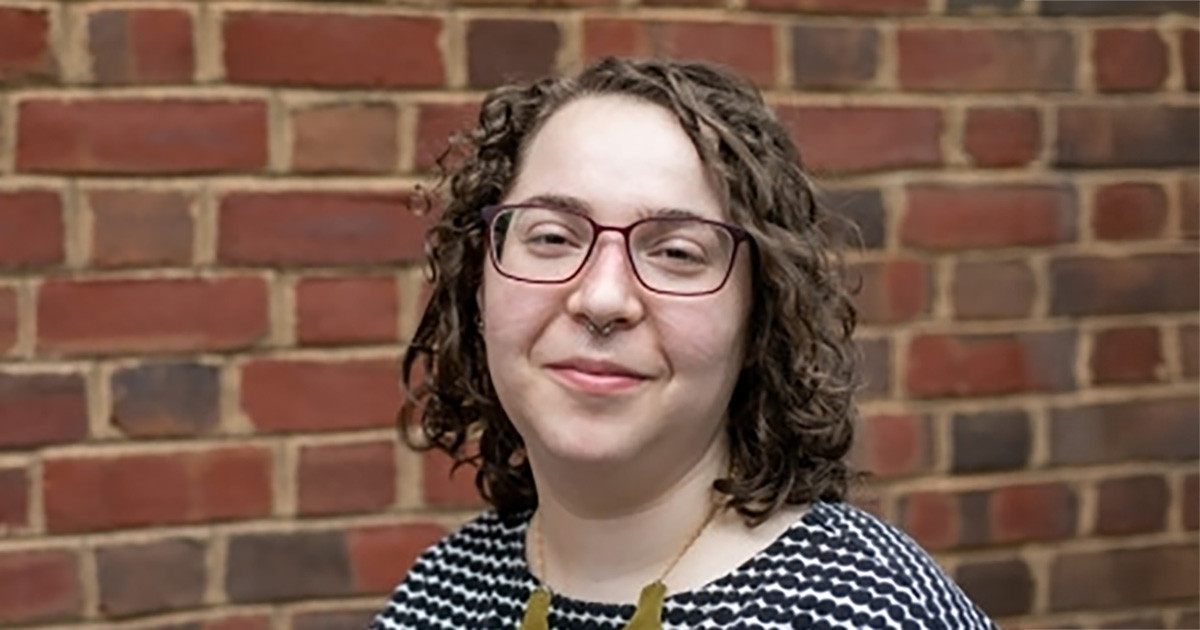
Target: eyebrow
point(577, 205)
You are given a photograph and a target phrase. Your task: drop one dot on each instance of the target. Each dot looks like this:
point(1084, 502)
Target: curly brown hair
point(791, 415)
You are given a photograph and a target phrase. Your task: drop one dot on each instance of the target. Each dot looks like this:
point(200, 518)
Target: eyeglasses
point(669, 255)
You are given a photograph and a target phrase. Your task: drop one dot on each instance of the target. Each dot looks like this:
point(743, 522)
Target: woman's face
point(659, 384)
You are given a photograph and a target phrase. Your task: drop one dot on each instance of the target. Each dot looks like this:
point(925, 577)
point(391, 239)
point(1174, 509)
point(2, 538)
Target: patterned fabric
point(836, 567)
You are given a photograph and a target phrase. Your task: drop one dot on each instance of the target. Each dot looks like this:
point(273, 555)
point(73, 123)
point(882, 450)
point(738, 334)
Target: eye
point(678, 251)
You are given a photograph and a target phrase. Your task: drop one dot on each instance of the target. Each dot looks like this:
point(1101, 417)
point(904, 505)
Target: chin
point(588, 441)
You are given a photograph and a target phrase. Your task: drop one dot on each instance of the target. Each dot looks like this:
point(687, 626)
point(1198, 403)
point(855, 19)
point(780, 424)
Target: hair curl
point(791, 415)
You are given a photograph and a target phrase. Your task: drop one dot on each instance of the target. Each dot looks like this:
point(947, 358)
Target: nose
point(607, 293)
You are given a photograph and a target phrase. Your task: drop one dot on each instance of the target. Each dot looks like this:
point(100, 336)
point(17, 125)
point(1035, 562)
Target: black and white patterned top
point(836, 567)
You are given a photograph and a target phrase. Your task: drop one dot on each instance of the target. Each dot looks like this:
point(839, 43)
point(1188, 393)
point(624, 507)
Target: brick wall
point(207, 273)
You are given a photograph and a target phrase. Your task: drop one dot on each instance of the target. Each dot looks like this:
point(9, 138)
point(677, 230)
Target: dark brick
point(863, 209)
point(991, 440)
point(1129, 211)
point(1165, 429)
point(990, 290)
point(1136, 135)
point(1191, 501)
point(1132, 505)
point(1002, 588)
point(981, 7)
point(1108, 7)
point(876, 367)
point(287, 566)
point(502, 51)
point(1189, 50)
point(1189, 207)
point(333, 619)
point(1126, 355)
point(1189, 350)
point(169, 399)
point(1125, 577)
point(152, 577)
point(14, 499)
point(834, 56)
point(1144, 621)
point(1117, 286)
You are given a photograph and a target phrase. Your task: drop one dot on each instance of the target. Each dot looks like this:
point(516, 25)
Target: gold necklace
point(647, 615)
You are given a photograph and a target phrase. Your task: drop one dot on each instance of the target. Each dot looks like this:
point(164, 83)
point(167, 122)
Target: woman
point(637, 333)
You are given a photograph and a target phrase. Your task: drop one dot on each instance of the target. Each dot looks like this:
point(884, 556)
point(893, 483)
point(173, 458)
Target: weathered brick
point(141, 136)
point(1002, 136)
point(883, 138)
point(1189, 52)
point(893, 445)
point(1132, 135)
point(345, 138)
point(990, 440)
point(970, 217)
point(381, 555)
point(747, 47)
point(346, 310)
point(25, 53)
point(993, 290)
point(863, 208)
point(1030, 512)
point(1002, 587)
point(446, 486)
point(8, 319)
point(1191, 502)
point(985, 60)
point(14, 499)
point(875, 370)
point(166, 399)
point(157, 315)
point(1104, 7)
point(1126, 355)
point(320, 396)
point(1124, 577)
point(834, 56)
point(1162, 429)
point(1129, 211)
point(42, 409)
point(141, 46)
point(854, 7)
point(151, 577)
point(991, 364)
point(346, 478)
point(99, 493)
point(504, 51)
point(39, 586)
point(141, 228)
point(1189, 350)
point(1129, 59)
point(321, 228)
point(894, 291)
point(32, 231)
point(1136, 284)
point(267, 567)
point(1132, 505)
point(437, 123)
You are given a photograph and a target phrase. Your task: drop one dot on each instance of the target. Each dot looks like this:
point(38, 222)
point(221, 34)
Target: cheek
point(702, 339)
point(513, 314)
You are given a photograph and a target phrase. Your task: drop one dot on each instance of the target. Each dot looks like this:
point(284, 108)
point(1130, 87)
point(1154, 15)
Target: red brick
point(346, 310)
point(332, 50)
point(166, 399)
point(507, 51)
point(320, 396)
point(1189, 350)
point(1166, 429)
point(446, 486)
point(993, 290)
point(141, 228)
point(1135, 284)
point(141, 46)
point(25, 45)
point(893, 445)
point(141, 136)
point(1189, 207)
point(322, 228)
point(31, 228)
point(91, 494)
point(345, 138)
point(883, 137)
point(113, 316)
point(834, 56)
point(931, 518)
point(151, 577)
point(973, 217)
point(1126, 355)
point(8, 319)
point(1129, 211)
point(1131, 135)
point(894, 291)
point(1002, 136)
point(53, 408)
point(1022, 513)
point(347, 478)
point(1132, 505)
point(853, 7)
point(380, 556)
point(14, 499)
point(1118, 578)
point(1191, 502)
point(748, 48)
point(991, 364)
point(39, 586)
point(436, 125)
point(1189, 52)
point(985, 60)
point(1129, 59)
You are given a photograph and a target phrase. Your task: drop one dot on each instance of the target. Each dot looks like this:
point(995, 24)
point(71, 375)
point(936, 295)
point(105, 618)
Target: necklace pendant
point(537, 611)
point(648, 615)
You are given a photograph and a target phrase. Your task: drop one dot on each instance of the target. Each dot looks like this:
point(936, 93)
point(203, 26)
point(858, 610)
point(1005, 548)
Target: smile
point(595, 382)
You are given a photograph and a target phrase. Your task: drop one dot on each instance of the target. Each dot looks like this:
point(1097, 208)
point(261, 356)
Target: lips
point(596, 377)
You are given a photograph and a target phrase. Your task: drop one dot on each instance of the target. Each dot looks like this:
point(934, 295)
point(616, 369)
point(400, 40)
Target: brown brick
point(884, 137)
point(1126, 355)
point(932, 518)
point(238, 622)
point(853, 7)
point(346, 478)
point(863, 208)
point(1189, 51)
point(446, 486)
point(8, 319)
point(981, 7)
point(991, 364)
point(166, 399)
point(437, 123)
point(894, 291)
point(1191, 502)
point(1129, 59)
point(1143, 620)
point(320, 396)
point(345, 138)
point(141, 46)
point(346, 310)
point(112, 316)
point(993, 290)
point(381, 555)
point(267, 567)
point(875, 368)
point(1132, 505)
point(1189, 207)
point(1125, 577)
point(834, 56)
point(1136, 284)
point(972, 217)
point(1133, 136)
point(1104, 7)
point(1189, 350)
point(1129, 211)
point(25, 45)
point(1029, 512)
point(985, 60)
point(141, 228)
point(1188, 619)
point(1002, 588)
point(32, 231)
point(505, 51)
point(331, 619)
point(14, 499)
point(141, 136)
point(151, 577)
point(1002, 136)
point(893, 445)
point(40, 586)
point(990, 440)
point(333, 50)
point(1164, 429)
point(747, 47)
point(49, 408)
